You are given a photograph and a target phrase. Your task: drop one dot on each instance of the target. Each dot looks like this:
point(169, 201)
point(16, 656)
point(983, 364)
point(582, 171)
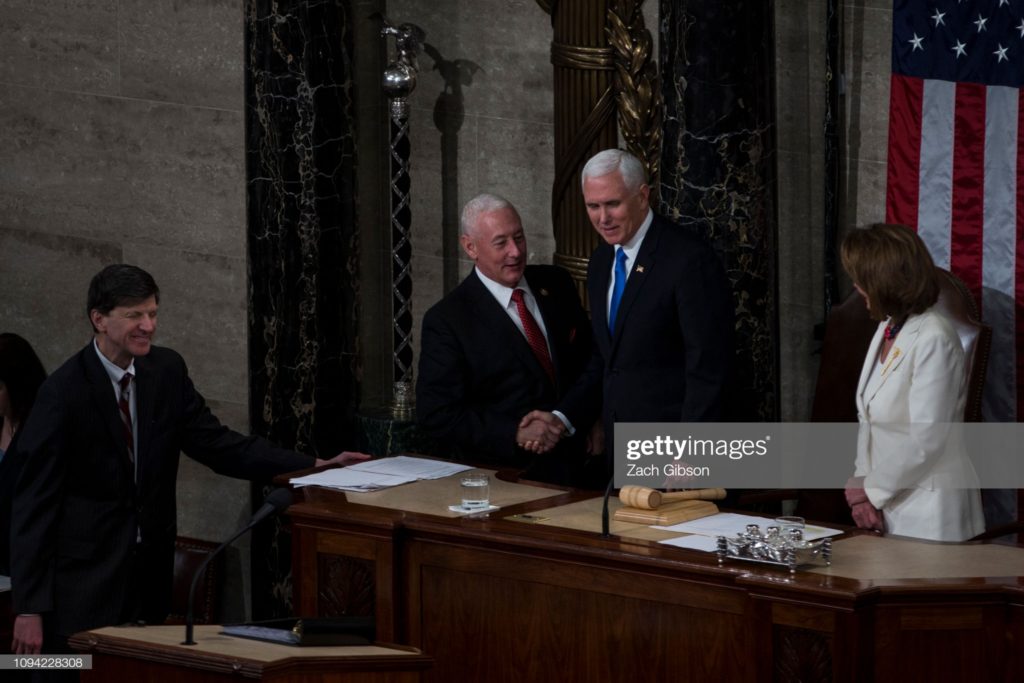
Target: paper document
point(373, 475)
point(731, 524)
point(346, 479)
point(407, 466)
point(694, 542)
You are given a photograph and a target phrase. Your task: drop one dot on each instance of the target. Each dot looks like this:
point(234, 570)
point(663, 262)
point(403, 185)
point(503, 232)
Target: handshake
point(539, 431)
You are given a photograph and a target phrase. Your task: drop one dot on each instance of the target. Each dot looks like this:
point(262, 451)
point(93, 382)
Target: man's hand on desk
point(344, 458)
point(539, 431)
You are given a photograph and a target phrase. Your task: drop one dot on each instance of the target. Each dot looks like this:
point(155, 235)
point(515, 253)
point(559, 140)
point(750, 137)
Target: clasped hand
point(539, 431)
point(866, 515)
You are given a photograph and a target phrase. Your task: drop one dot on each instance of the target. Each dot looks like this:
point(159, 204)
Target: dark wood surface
point(155, 654)
point(498, 600)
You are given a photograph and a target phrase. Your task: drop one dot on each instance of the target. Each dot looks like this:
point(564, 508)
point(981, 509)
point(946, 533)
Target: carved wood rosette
point(801, 655)
point(347, 586)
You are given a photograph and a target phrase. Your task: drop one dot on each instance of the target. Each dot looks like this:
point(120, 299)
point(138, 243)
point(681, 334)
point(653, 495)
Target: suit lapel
point(104, 398)
point(904, 342)
point(640, 271)
point(145, 397)
point(552, 320)
point(489, 310)
point(598, 278)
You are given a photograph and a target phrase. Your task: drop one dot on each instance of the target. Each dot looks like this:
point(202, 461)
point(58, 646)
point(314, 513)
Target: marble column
point(302, 245)
point(717, 168)
point(585, 121)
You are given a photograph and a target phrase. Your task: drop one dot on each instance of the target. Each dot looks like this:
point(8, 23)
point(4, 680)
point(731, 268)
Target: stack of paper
point(374, 475)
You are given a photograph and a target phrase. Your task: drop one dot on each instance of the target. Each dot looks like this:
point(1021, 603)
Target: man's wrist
point(569, 429)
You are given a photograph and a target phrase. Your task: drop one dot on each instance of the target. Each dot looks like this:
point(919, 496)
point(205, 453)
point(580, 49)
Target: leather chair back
point(848, 334)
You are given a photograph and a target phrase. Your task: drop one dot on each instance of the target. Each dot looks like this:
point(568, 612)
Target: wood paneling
point(497, 600)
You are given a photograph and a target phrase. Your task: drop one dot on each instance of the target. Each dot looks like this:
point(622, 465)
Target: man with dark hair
point(116, 284)
point(94, 517)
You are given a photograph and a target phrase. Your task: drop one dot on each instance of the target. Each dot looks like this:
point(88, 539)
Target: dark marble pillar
point(717, 164)
point(302, 245)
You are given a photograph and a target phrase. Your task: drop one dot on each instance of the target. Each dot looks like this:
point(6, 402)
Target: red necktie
point(126, 414)
point(534, 336)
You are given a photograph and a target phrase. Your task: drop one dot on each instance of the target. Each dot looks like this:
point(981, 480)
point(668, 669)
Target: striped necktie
point(534, 336)
point(126, 414)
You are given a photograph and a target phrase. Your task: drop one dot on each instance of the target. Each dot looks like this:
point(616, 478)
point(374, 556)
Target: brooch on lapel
point(639, 269)
point(543, 292)
point(893, 355)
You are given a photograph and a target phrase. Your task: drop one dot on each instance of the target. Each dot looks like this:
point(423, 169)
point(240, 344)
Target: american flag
point(956, 161)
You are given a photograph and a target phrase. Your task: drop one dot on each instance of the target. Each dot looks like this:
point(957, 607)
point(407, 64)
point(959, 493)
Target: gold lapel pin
point(543, 292)
point(639, 269)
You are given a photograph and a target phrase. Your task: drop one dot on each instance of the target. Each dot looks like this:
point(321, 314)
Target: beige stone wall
point(503, 143)
point(800, 106)
point(121, 125)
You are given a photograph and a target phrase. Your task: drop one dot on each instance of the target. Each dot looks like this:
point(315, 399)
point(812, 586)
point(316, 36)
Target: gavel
point(650, 499)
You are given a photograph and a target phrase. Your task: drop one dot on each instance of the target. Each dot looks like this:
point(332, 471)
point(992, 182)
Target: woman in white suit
point(912, 475)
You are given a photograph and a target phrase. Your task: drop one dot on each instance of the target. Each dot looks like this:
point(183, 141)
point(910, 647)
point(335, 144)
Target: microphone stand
point(604, 509)
point(276, 501)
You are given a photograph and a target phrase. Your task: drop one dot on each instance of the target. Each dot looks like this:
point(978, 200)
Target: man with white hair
point(661, 307)
point(509, 339)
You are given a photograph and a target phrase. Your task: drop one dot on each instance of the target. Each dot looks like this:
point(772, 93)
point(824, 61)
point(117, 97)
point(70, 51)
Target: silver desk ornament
point(774, 547)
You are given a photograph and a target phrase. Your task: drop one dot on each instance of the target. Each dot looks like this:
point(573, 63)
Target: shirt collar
point(632, 247)
point(113, 371)
point(502, 293)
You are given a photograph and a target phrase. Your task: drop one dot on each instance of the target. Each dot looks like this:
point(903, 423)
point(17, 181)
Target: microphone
point(604, 509)
point(277, 501)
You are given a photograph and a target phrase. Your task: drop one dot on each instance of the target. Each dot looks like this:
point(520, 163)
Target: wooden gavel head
point(640, 497)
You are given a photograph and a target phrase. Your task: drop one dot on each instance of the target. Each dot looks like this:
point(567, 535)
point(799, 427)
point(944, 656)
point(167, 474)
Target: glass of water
point(790, 525)
point(476, 491)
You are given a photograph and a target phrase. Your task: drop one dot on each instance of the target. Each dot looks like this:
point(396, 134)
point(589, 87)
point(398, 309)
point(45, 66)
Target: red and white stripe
point(956, 175)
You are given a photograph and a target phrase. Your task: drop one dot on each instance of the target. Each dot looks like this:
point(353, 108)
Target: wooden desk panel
point(488, 615)
point(490, 599)
point(154, 654)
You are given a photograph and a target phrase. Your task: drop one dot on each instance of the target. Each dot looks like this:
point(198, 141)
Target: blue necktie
point(620, 284)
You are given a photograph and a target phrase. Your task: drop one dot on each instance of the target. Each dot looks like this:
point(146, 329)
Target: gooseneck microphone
point(277, 501)
point(604, 508)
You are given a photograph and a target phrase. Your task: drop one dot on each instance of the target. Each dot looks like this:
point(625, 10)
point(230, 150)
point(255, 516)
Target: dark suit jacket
point(10, 466)
point(77, 507)
point(478, 376)
point(668, 358)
